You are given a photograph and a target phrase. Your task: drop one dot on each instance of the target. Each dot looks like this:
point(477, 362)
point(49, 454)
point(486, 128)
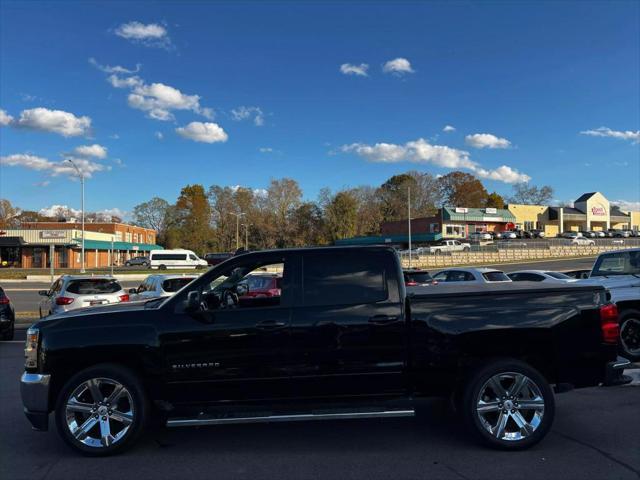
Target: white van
point(164, 259)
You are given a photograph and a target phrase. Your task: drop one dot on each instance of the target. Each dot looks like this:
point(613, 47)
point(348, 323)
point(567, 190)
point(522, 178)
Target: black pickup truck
point(339, 339)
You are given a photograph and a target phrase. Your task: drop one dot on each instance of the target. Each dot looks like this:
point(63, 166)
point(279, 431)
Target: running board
point(190, 422)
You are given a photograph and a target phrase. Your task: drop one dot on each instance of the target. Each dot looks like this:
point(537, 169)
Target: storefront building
point(37, 247)
point(454, 222)
point(591, 211)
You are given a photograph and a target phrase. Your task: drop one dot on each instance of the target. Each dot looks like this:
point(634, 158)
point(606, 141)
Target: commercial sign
point(492, 219)
point(598, 210)
point(491, 210)
point(53, 234)
point(462, 210)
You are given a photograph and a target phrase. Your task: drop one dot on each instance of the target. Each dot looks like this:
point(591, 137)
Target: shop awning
point(11, 241)
point(103, 245)
point(490, 215)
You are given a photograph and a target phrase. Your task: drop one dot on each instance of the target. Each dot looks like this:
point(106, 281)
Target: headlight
point(31, 348)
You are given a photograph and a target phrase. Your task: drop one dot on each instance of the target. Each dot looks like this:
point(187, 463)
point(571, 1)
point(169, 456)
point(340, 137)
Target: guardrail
point(485, 256)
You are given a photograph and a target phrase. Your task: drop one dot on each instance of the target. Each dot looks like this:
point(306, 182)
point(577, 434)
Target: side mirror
point(242, 288)
point(133, 290)
point(192, 303)
point(44, 293)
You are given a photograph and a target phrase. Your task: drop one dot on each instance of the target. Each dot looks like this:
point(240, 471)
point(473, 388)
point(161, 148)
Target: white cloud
point(351, 69)
point(126, 82)
point(203, 132)
point(115, 136)
point(95, 150)
point(486, 140)
point(114, 69)
point(57, 121)
point(503, 174)
point(150, 34)
point(5, 118)
point(158, 100)
point(33, 162)
point(159, 135)
point(627, 205)
point(398, 66)
point(265, 149)
point(44, 183)
point(607, 132)
point(56, 211)
point(449, 128)
point(243, 113)
point(421, 151)
point(107, 214)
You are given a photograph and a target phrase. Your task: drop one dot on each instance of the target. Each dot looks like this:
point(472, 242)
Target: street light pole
point(409, 212)
point(81, 175)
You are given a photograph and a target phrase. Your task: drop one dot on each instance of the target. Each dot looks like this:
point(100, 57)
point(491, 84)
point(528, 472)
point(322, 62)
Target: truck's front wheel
point(508, 404)
point(101, 410)
point(630, 334)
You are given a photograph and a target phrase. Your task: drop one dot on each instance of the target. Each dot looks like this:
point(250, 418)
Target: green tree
point(308, 225)
point(460, 189)
point(191, 225)
point(494, 200)
point(341, 215)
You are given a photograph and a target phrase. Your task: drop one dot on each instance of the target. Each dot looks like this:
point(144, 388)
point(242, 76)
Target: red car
point(263, 285)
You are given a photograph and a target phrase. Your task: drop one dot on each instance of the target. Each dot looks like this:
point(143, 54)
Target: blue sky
point(518, 81)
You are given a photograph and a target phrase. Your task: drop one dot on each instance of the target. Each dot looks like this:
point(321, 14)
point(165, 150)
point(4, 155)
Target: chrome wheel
point(99, 412)
point(630, 336)
point(510, 406)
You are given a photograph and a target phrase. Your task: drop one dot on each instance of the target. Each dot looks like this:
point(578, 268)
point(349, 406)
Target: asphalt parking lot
point(596, 435)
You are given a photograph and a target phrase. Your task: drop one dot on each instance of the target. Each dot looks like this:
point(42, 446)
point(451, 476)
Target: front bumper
point(613, 373)
point(34, 389)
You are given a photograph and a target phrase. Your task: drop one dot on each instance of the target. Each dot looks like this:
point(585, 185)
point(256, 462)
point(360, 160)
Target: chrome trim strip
point(34, 390)
point(620, 363)
point(35, 378)
point(187, 422)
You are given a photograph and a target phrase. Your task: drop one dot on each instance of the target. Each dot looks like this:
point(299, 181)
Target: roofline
point(91, 223)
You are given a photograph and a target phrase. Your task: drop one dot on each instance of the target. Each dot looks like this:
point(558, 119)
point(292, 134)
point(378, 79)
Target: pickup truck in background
point(448, 246)
point(342, 340)
point(619, 273)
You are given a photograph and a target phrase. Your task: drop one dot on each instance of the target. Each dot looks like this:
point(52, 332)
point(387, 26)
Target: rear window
point(417, 277)
point(558, 275)
point(331, 279)
point(257, 282)
point(92, 286)
point(496, 277)
point(175, 284)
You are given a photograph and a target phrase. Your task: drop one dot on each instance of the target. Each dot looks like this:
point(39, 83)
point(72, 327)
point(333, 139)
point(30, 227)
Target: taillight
point(273, 292)
point(609, 323)
point(124, 298)
point(64, 300)
point(411, 284)
point(4, 300)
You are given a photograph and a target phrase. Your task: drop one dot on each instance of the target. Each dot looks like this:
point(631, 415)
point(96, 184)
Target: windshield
point(496, 277)
point(558, 275)
point(619, 263)
point(418, 277)
point(257, 282)
point(93, 286)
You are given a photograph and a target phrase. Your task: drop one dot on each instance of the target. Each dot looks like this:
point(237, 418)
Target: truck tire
point(630, 334)
point(101, 410)
point(507, 404)
point(162, 267)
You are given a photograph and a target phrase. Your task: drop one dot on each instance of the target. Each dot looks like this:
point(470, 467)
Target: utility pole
point(246, 235)
point(237, 215)
point(409, 220)
point(81, 175)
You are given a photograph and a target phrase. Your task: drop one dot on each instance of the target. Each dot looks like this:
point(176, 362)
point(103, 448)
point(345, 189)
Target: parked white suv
point(70, 292)
point(619, 272)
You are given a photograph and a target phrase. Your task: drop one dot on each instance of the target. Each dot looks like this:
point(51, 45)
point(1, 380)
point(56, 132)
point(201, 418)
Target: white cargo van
point(164, 259)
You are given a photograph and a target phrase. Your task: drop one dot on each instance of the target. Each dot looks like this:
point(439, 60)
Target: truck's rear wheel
point(101, 410)
point(508, 404)
point(630, 334)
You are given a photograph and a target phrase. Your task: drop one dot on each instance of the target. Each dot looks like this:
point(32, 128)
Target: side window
point(192, 257)
point(344, 279)
point(515, 277)
point(248, 286)
point(441, 277)
point(468, 277)
point(55, 288)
